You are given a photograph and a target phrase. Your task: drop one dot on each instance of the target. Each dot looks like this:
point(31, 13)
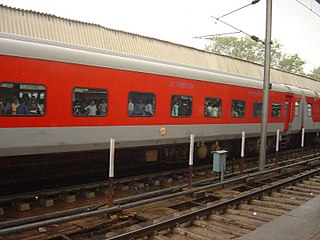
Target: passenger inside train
point(22, 99)
point(89, 102)
point(141, 104)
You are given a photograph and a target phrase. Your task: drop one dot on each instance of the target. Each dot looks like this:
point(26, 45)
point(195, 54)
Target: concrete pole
point(191, 160)
point(243, 146)
point(277, 146)
point(302, 137)
point(266, 83)
point(111, 171)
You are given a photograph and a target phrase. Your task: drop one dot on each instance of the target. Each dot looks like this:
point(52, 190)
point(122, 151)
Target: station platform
point(302, 223)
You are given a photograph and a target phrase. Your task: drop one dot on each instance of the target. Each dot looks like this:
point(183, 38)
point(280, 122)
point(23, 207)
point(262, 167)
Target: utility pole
point(266, 84)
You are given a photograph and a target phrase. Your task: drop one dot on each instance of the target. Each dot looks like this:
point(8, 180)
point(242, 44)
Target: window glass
point(22, 99)
point(296, 108)
point(286, 109)
point(141, 104)
point(276, 110)
point(309, 114)
point(181, 106)
point(238, 108)
point(257, 109)
point(89, 102)
point(212, 107)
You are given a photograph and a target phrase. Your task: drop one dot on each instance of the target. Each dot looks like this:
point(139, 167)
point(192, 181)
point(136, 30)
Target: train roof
point(50, 27)
point(22, 46)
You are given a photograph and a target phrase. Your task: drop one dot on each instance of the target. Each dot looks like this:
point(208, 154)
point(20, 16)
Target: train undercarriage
point(94, 164)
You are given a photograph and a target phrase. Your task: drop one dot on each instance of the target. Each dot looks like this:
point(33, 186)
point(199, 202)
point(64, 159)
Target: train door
point(287, 111)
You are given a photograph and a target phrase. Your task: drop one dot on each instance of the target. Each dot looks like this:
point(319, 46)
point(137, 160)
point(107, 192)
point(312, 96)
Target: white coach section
point(50, 27)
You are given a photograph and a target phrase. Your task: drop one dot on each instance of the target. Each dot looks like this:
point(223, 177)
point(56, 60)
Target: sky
point(181, 21)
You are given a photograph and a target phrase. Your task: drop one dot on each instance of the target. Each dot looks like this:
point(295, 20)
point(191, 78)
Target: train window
point(141, 104)
point(238, 108)
point(276, 110)
point(309, 113)
point(296, 108)
point(212, 107)
point(181, 106)
point(89, 102)
point(257, 109)
point(22, 99)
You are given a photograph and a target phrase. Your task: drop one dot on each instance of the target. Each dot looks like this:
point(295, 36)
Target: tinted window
point(296, 108)
point(141, 104)
point(89, 102)
point(257, 109)
point(238, 108)
point(22, 99)
point(212, 107)
point(276, 110)
point(181, 106)
point(309, 114)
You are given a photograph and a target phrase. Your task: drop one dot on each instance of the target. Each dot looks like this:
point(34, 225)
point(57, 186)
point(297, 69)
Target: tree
point(247, 49)
point(240, 48)
point(292, 63)
point(315, 73)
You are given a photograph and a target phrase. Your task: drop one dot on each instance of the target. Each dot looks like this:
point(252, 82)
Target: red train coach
point(65, 98)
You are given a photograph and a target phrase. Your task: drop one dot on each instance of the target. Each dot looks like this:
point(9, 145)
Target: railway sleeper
point(297, 193)
point(87, 193)
point(261, 209)
point(291, 196)
point(187, 233)
point(305, 184)
point(314, 180)
point(226, 228)
point(286, 201)
point(262, 217)
point(68, 198)
point(314, 190)
point(159, 237)
point(21, 205)
point(224, 219)
point(271, 205)
point(207, 225)
point(311, 181)
point(46, 202)
point(303, 190)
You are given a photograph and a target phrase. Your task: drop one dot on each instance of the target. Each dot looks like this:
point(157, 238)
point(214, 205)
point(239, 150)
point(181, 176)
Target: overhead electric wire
point(218, 34)
point(253, 37)
point(252, 3)
point(310, 9)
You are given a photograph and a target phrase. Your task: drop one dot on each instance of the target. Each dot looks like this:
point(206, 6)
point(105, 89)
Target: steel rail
point(102, 183)
point(54, 191)
point(154, 228)
point(96, 206)
point(98, 212)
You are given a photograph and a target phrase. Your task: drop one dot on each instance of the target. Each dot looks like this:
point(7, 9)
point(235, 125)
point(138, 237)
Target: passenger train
point(58, 97)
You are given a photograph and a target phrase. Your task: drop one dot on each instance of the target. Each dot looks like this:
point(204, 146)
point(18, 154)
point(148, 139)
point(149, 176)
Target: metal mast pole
point(266, 83)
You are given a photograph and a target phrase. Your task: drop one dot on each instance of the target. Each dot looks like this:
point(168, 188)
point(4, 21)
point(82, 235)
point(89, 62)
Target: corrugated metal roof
point(51, 27)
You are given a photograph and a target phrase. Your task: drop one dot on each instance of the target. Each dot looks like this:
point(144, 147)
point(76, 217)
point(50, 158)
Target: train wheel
point(202, 151)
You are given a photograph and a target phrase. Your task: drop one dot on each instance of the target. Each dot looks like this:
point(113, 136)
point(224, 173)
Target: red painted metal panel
point(61, 78)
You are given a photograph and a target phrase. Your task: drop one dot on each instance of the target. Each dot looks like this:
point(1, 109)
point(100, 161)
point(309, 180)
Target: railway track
point(121, 216)
point(201, 172)
point(85, 196)
point(235, 217)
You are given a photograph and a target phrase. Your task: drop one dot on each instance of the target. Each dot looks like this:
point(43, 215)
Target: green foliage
point(240, 48)
point(292, 63)
point(247, 49)
point(315, 73)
